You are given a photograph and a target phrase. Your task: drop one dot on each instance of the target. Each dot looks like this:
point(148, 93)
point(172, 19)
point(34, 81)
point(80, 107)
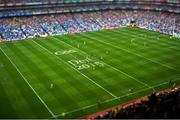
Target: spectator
point(29, 27)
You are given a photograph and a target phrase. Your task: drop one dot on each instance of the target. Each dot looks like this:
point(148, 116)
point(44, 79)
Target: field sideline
point(68, 76)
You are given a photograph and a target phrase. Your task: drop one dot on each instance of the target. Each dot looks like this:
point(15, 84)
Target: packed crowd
point(31, 1)
point(38, 10)
point(158, 105)
point(28, 27)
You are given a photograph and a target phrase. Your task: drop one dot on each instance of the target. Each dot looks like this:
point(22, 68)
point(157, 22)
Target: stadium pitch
point(71, 76)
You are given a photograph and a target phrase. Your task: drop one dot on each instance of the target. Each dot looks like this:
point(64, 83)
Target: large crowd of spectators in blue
point(18, 28)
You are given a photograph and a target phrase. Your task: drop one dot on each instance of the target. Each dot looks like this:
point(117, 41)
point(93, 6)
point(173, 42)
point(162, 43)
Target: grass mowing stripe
point(140, 36)
point(52, 96)
point(136, 34)
point(29, 85)
point(141, 70)
point(136, 57)
point(77, 70)
point(114, 78)
point(125, 33)
point(150, 50)
point(110, 100)
point(152, 34)
point(108, 43)
point(111, 66)
point(55, 45)
point(93, 92)
point(118, 84)
point(26, 103)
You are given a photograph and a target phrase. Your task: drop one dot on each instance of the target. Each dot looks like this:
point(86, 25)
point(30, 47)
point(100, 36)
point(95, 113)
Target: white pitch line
point(107, 43)
point(50, 111)
point(110, 66)
point(109, 100)
point(138, 36)
point(76, 70)
point(161, 43)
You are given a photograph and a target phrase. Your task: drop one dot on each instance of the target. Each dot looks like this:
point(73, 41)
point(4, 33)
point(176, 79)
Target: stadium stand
point(24, 19)
point(18, 28)
point(164, 104)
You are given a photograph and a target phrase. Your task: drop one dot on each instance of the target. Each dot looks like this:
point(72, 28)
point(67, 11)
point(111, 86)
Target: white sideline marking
point(109, 100)
point(141, 35)
point(109, 66)
point(76, 70)
point(107, 43)
point(30, 85)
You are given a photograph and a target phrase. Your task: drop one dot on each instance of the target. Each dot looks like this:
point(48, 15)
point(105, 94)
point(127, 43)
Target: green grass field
point(65, 76)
